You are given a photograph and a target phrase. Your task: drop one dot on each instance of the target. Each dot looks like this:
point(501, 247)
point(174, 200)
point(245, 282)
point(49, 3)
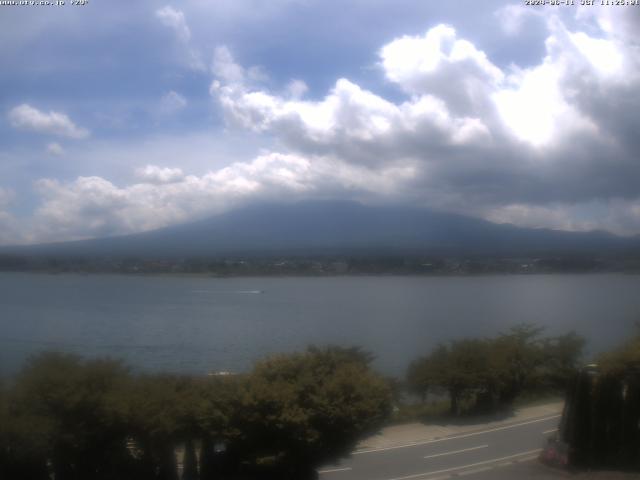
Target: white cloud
point(482, 140)
point(511, 18)
point(618, 216)
point(225, 68)
point(602, 54)
point(10, 230)
point(55, 149)
point(535, 108)
point(6, 197)
point(172, 102)
point(458, 98)
point(175, 20)
point(620, 24)
point(159, 175)
point(93, 206)
point(297, 88)
point(547, 103)
point(441, 64)
point(26, 117)
point(536, 216)
point(350, 122)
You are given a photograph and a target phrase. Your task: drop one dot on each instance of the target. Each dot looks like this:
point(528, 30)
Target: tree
point(418, 378)
point(561, 359)
point(491, 373)
point(22, 445)
point(622, 359)
point(4, 427)
point(299, 410)
point(467, 373)
point(72, 413)
point(517, 355)
point(217, 403)
point(601, 421)
point(159, 419)
point(461, 368)
point(427, 373)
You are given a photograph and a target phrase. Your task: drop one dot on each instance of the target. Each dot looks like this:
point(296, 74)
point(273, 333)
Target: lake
point(197, 324)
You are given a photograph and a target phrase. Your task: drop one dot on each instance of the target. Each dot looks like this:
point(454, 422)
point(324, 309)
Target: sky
point(119, 117)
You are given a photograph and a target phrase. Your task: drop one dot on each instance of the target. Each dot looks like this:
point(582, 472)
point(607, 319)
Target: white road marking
point(462, 467)
point(427, 442)
point(475, 470)
point(550, 431)
point(527, 459)
point(331, 470)
point(456, 451)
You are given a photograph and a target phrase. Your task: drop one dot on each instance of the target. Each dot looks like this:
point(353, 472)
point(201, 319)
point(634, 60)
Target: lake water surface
point(195, 324)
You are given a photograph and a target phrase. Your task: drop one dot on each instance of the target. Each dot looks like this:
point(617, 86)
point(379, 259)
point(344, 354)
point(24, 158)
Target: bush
point(489, 374)
point(79, 419)
point(300, 410)
point(70, 414)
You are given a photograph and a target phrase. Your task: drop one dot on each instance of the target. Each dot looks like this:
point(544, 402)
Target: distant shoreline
point(316, 275)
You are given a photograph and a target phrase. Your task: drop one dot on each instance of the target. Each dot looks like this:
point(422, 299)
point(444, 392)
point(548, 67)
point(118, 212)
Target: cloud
point(350, 122)
point(539, 92)
point(6, 197)
point(552, 143)
point(159, 175)
point(616, 215)
point(175, 20)
point(441, 64)
point(26, 117)
point(55, 149)
point(620, 24)
point(172, 102)
point(10, 230)
point(503, 143)
point(556, 216)
point(297, 88)
point(225, 68)
point(93, 206)
point(511, 18)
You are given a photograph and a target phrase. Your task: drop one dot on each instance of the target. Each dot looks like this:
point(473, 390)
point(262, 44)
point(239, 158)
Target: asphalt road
point(479, 454)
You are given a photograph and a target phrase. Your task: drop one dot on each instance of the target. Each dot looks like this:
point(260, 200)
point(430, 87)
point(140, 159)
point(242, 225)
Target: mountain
point(316, 228)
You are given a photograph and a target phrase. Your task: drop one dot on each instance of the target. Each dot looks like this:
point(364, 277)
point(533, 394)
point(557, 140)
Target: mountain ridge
point(337, 227)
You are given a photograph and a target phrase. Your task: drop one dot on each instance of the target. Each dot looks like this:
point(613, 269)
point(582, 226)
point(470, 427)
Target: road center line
point(331, 470)
point(550, 431)
point(455, 437)
point(456, 451)
point(462, 467)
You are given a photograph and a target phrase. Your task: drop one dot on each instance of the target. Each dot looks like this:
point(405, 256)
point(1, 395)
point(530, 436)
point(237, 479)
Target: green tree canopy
point(625, 358)
point(299, 410)
point(492, 373)
point(72, 413)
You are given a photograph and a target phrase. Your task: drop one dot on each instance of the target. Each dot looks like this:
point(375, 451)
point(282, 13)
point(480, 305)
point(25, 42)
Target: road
point(474, 454)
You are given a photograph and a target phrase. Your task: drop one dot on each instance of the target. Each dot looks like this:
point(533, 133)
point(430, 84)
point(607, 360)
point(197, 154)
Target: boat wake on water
point(233, 292)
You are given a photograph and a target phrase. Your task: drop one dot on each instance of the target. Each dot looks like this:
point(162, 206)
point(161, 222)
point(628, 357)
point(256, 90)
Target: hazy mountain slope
point(339, 227)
